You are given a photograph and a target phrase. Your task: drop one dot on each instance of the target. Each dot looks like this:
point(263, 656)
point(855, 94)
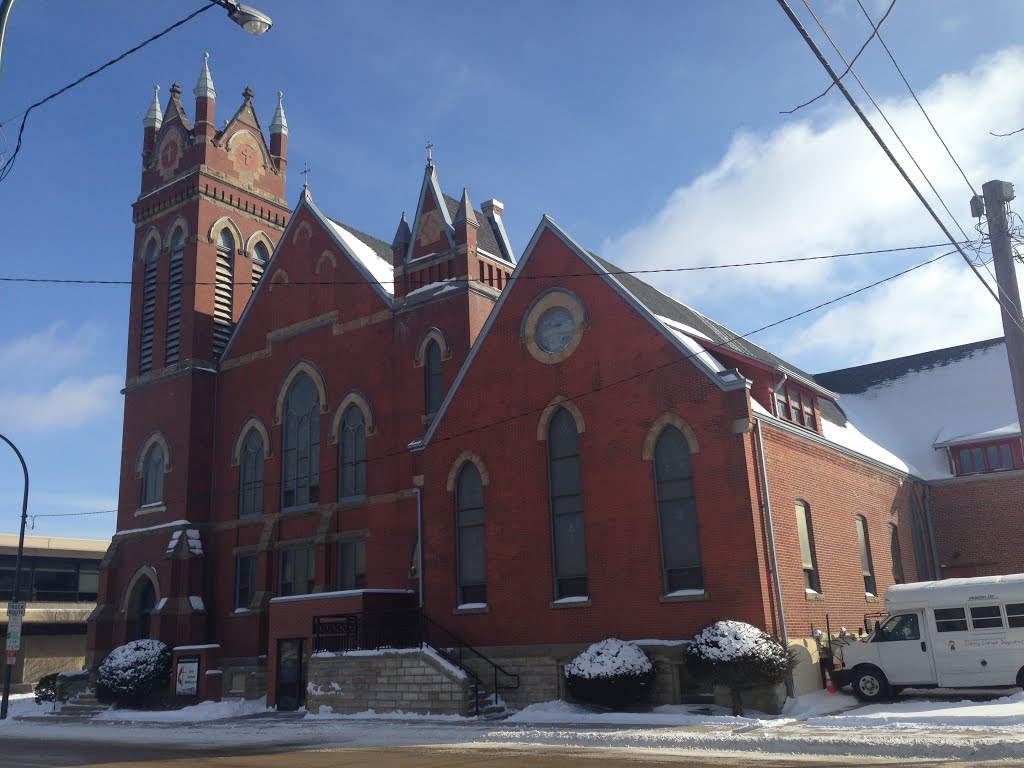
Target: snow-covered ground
point(943, 725)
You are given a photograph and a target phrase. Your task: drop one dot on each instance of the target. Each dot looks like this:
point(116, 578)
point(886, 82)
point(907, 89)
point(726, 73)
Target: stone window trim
point(460, 460)
point(459, 611)
point(358, 534)
point(360, 401)
point(228, 223)
point(156, 436)
point(152, 236)
point(559, 401)
point(280, 277)
point(433, 333)
point(696, 597)
point(179, 223)
point(654, 432)
point(311, 370)
point(553, 297)
point(144, 571)
point(253, 422)
point(564, 604)
point(150, 509)
point(259, 236)
point(325, 258)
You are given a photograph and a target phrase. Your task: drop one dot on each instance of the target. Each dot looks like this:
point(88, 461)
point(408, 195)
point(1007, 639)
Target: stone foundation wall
point(409, 680)
point(245, 677)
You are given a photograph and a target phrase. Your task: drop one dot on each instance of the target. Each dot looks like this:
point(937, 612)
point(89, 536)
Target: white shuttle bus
point(956, 633)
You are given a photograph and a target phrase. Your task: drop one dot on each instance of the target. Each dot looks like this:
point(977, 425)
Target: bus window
point(1015, 614)
point(950, 620)
point(901, 627)
point(986, 617)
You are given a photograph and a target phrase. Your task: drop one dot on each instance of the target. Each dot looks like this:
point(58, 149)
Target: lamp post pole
point(5, 11)
point(8, 667)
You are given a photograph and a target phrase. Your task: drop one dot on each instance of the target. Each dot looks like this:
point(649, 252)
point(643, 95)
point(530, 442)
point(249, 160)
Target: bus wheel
point(869, 684)
point(1020, 677)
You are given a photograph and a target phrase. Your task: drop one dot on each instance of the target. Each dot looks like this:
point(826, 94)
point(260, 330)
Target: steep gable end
point(432, 230)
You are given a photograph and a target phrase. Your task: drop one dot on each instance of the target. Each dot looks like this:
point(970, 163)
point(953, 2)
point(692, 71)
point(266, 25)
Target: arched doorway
point(142, 597)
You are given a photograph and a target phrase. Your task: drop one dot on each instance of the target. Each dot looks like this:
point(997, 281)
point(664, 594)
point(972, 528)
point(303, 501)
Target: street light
point(9, 668)
point(252, 21)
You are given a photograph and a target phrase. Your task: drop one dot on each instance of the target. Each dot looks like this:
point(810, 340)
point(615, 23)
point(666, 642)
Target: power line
point(6, 168)
point(881, 143)
point(874, 33)
point(510, 279)
point(600, 388)
point(916, 100)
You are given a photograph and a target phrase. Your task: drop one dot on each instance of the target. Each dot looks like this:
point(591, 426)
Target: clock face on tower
point(555, 329)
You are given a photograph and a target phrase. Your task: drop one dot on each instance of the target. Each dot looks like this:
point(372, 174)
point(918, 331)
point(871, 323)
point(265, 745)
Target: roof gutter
point(807, 382)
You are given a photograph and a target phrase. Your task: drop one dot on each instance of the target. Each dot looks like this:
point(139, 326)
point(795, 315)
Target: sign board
point(12, 658)
point(15, 609)
point(13, 641)
point(186, 680)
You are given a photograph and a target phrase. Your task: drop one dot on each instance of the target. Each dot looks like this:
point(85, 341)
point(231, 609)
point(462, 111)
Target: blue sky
point(650, 131)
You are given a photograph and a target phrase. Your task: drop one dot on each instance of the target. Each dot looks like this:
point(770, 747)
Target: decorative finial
point(204, 85)
point(279, 124)
point(247, 94)
point(305, 178)
point(430, 152)
point(154, 117)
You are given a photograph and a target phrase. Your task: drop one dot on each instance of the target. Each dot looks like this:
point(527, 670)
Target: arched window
point(469, 501)
point(866, 565)
point(807, 555)
point(352, 454)
point(570, 552)
point(174, 297)
point(300, 466)
point(922, 546)
point(153, 475)
point(148, 309)
point(250, 492)
point(432, 376)
point(260, 257)
point(677, 512)
point(141, 606)
point(894, 552)
point(223, 293)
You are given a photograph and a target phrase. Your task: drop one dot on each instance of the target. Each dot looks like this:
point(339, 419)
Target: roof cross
point(430, 152)
point(305, 176)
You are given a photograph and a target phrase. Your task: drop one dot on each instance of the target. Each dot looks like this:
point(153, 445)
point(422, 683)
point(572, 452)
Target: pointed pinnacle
point(155, 117)
point(204, 85)
point(280, 123)
point(465, 214)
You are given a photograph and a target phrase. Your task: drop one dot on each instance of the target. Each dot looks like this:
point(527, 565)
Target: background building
point(59, 581)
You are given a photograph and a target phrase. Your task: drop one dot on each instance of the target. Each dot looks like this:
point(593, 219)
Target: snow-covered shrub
point(132, 671)
point(738, 656)
point(611, 673)
point(46, 688)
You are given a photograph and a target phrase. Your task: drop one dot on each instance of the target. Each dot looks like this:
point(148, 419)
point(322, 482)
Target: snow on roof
point(951, 592)
point(852, 438)
point(914, 408)
point(1010, 430)
point(381, 271)
point(676, 325)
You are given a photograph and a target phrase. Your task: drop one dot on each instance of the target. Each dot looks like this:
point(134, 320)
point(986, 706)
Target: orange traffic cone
point(829, 685)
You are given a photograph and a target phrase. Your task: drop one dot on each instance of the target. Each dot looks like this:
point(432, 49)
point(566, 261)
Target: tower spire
point(204, 85)
point(280, 123)
point(155, 117)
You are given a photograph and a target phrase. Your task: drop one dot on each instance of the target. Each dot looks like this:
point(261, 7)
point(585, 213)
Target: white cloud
point(44, 353)
point(69, 403)
point(820, 185)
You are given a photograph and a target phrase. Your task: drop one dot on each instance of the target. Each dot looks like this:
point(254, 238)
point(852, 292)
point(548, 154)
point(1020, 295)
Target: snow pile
point(327, 713)
point(202, 712)
point(24, 705)
point(134, 669)
point(195, 543)
point(609, 658)
point(1007, 711)
point(197, 603)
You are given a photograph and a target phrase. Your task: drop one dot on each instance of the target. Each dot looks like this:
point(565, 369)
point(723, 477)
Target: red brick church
point(533, 448)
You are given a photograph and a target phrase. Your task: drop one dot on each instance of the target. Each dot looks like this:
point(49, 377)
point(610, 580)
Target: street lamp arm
point(5, 11)
point(17, 569)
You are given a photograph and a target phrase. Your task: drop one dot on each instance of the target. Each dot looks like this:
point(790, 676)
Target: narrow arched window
point(174, 281)
point(432, 376)
point(224, 291)
point(352, 454)
point(677, 512)
point(153, 475)
point(260, 257)
point(808, 557)
point(300, 465)
point(148, 308)
point(922, 544)
point(894, 552)
point(570, 552)
point(470, 536)
point(866, 565)
point(250, 492)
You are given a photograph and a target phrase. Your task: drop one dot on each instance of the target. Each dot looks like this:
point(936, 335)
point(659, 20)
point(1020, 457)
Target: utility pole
point(14, 619)
point(997, 195)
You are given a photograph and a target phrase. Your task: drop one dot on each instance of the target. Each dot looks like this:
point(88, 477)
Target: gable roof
point(661, 304)
point(916, 404)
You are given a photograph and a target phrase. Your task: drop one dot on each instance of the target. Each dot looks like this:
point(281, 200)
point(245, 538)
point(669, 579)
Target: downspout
point(790, 689)
point(936, 567)
point(775, 401)
point(419, 542)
